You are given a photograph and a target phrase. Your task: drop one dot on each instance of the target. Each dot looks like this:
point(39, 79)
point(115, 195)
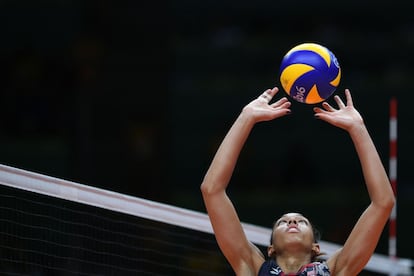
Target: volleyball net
point(51, 226)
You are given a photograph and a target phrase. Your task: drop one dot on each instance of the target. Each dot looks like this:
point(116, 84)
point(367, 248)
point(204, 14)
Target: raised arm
point(241, 254)
point(362, 241)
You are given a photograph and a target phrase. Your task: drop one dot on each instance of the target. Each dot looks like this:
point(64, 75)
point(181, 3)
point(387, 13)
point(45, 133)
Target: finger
point(318, 110)
point(280, 102)
point(284, 105)
point(273, 91)
point(349, 101)
point(328, 107)
point(266, 96)
point(339, 101)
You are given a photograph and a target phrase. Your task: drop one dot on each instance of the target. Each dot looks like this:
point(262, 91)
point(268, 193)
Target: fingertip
point(283, 101)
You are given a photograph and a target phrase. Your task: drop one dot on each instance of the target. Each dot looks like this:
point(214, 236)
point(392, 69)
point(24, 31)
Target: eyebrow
point(295, 217)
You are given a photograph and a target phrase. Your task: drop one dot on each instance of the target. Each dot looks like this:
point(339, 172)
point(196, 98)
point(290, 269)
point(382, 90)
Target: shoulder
point(248, 262)
point(331, 262)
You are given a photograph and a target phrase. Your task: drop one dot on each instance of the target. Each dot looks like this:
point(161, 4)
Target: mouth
point(293, 230)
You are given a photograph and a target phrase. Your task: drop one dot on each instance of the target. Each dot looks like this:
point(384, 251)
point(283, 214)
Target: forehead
point(292, 216)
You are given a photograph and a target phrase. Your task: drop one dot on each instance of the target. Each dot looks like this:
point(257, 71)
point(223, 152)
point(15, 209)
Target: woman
point(294, 247)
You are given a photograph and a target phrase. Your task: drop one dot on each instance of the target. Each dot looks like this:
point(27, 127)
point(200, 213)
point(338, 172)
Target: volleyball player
point(294, 248)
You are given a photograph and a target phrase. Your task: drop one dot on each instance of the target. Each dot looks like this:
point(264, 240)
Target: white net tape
point(68, 190)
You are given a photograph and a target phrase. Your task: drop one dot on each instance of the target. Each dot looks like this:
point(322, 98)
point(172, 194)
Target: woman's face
point(291, 229)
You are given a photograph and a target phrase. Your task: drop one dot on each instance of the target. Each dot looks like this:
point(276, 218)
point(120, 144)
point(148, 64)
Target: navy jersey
point(270, 268)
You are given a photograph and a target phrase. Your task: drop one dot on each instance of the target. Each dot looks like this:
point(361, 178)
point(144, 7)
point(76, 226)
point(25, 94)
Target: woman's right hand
point(260, 109)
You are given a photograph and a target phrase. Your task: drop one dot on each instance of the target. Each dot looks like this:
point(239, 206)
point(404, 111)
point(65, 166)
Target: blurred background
point(135, 97)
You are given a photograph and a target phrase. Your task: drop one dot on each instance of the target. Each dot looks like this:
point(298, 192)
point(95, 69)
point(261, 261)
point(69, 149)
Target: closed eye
point(280, 222)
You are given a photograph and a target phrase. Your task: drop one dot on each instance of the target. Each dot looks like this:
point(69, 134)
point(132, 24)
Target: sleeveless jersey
point(270, 268)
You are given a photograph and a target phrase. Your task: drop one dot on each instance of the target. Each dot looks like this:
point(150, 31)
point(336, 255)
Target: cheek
point(309, 233)
point(277, 233)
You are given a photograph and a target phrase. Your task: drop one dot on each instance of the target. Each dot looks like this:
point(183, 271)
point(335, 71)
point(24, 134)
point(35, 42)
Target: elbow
point(206, 188)
point(209, 187)
point(388, 203)
point(391, 202)
point(203, 187)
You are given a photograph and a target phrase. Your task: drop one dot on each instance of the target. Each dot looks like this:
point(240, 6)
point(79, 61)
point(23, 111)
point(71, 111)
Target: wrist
point(357, 130)
point(247, 116)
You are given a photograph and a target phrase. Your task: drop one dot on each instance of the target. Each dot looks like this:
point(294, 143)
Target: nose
point(292, 221)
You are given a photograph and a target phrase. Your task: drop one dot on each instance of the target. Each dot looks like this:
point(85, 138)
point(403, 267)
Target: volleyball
point(310, 73)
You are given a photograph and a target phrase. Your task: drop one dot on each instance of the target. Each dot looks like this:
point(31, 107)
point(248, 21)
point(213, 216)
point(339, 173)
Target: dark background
point(135, 97)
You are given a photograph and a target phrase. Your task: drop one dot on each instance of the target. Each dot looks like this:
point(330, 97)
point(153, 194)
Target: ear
point(316, 250)
point(270, 251)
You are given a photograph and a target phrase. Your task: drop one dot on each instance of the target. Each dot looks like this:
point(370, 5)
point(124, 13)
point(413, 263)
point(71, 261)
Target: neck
point(292, 264)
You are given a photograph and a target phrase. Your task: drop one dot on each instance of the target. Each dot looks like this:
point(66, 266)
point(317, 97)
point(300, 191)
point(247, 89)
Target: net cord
point(69, 190)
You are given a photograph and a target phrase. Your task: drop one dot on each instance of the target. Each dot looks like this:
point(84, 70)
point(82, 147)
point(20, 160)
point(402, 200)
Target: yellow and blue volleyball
point(310, 73)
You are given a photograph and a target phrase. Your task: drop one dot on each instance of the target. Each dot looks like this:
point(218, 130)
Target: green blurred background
point(135, 97)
